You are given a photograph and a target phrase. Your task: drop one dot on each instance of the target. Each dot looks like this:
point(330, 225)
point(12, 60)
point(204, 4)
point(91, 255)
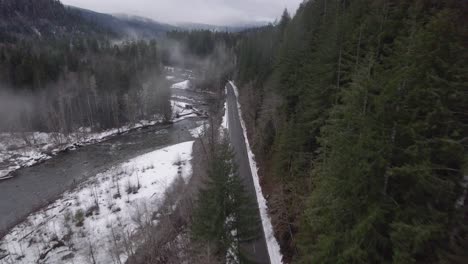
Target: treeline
point(210, 54)
point(202, 43)
point(20, 19)
point(357, 112)
point(60, 85)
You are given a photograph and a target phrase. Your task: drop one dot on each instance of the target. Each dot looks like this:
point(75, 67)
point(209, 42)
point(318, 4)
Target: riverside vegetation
point(356, 111)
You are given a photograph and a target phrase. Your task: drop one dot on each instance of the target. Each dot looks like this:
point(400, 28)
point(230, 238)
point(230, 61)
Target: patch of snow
point(92, 221)
point(181, 85)
point(225, 122)
point(37, 31)
point(198, 131)
point(18, 150)
point(179, 108)
point(236, 91)
point(179, 97)
point(461, 200)
point(175, 120)
point(272, 243)
point(170, 77)
point(180, 111)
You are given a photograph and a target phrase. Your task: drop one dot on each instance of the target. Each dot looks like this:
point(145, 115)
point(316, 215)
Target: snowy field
point(98, 220)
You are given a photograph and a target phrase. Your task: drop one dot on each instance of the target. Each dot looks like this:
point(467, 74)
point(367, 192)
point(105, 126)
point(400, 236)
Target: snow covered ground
point(179, 97)
point(179, 108)
point(182, 111)
point(19, 150)
point(98, 220)
point(199, 130)
point(181, 85)
point(100, 217)
point(225, 121)
point(272, 243)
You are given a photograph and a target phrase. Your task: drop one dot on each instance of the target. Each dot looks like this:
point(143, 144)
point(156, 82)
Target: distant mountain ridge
point(227, 28)
point(21, 19)
point(40, 18)
point(126, 26)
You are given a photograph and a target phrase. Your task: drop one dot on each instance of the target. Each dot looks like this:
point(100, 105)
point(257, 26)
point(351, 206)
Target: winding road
point(34, 187)
point(256, 250)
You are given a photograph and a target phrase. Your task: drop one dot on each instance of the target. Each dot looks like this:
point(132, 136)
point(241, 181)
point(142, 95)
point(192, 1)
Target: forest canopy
point(357, 111)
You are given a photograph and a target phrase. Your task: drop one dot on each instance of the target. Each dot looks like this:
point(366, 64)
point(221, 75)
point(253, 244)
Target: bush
point(79, 218)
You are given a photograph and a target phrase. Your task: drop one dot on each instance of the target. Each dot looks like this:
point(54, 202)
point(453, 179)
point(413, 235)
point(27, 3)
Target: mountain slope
point(356, 114)
point(126, 26)
point(41, 18)
point(21, 19)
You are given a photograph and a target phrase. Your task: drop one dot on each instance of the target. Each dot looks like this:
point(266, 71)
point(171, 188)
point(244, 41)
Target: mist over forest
point(334, 134)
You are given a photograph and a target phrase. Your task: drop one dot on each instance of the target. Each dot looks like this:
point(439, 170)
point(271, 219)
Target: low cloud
point(218, 12)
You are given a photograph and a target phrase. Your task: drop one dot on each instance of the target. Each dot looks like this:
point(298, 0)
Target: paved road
point(256, 250)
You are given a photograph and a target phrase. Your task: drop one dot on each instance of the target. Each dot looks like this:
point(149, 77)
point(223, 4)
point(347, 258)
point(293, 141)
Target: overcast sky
point(219, 12)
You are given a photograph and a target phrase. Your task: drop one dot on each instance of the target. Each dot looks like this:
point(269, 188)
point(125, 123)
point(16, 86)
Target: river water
point(36, 186)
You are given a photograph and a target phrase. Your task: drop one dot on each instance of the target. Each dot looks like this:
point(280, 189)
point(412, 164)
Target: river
point(35, 187)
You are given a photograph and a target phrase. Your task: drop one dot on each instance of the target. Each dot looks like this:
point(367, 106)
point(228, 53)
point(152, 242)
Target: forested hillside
point(72, 83)
point(41, 18)
point(60, 72)
point(124, 26)
point(357, 111)
point(21, 19)
point(210, 54)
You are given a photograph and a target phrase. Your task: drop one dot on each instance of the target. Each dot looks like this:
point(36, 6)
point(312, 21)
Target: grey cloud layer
point(201, 11)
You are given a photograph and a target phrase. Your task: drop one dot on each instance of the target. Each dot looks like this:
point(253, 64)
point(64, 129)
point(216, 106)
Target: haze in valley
point(215, 12)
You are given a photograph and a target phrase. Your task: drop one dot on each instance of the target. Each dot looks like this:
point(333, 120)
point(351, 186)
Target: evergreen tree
point(369, 136)
point(225, 214)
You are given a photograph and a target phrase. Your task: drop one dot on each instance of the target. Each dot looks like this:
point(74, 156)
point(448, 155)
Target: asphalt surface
point(256, 250)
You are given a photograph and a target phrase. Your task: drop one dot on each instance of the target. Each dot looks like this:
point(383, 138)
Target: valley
point(233, 132)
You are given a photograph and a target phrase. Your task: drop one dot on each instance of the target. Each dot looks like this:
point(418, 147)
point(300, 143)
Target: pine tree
point(370, 138)
point(385, 183)
point(284, 21)
point(225, 214)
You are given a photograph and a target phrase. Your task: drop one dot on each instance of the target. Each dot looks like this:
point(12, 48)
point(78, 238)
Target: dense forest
point(42, 18)
point(60, 73)
point(357, 112)
point(63, 69)
point(66, 84)
point(211, 55)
